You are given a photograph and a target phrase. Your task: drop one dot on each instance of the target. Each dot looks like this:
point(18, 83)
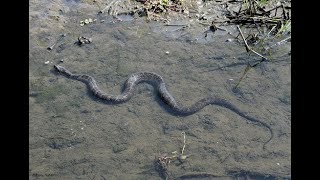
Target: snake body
point(156, 80)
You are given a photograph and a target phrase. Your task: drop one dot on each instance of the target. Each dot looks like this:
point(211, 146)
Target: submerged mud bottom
point(164, 94)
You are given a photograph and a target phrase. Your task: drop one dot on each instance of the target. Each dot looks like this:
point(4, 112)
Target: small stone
point(47, 62)
point(90, 20)
point(182, 157)
point(167, 52)
point(102, 21)
point(86, 21)
point(229, 40)
point(278, 164)
point(203, 17)
point(61, 60)
point(85, 111)
point(119, 147)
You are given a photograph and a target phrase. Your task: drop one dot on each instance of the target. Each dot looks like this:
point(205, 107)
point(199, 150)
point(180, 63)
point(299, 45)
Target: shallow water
point(74, 136)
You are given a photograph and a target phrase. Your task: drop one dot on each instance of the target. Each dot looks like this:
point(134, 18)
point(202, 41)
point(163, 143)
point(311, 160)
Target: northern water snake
point(164, 94)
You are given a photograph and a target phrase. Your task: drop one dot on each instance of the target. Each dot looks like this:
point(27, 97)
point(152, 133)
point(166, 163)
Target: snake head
point(59, 68)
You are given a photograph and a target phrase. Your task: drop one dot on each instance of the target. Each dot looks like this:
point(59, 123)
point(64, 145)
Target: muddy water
point(75, 136)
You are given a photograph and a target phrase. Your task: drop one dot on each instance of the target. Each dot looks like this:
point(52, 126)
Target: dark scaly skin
point(167, 98)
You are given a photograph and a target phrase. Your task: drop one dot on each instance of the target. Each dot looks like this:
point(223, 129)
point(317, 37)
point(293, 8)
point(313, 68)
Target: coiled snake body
point(166, 97)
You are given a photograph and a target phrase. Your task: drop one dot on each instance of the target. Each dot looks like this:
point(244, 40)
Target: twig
point(184, 142)
point(278, 43)
point(244, 73)
point(248, 66)
point(206, 24)
point(237, 13)
point(273, 27)
point(257, 26)
point(248, 47)
point(52, 46)
point(275, 8)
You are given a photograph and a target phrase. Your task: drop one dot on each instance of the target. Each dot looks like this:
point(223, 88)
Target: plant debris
point(162, 161)
point(83, 40)
point(87, 21)
point(157, 10)
point(60, 38)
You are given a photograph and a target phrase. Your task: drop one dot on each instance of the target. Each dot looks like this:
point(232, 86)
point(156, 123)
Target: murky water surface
point(75, 136)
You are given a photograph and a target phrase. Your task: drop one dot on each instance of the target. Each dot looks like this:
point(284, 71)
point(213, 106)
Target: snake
point(158, 82)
